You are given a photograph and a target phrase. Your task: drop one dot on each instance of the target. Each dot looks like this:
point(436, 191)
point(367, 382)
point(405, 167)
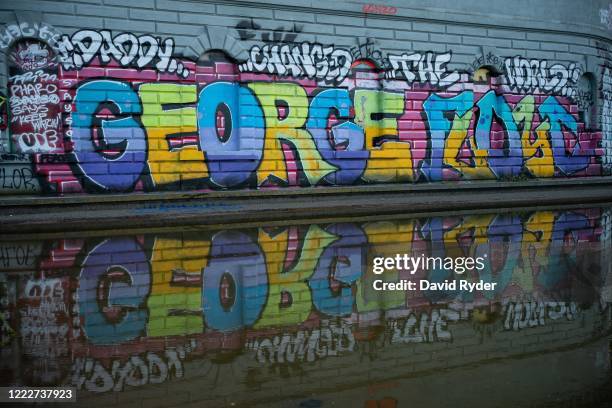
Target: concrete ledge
point(104, 212)
point(38, 200)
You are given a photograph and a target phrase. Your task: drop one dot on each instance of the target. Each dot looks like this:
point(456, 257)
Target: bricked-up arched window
point(220, 67)
point(34, 111)
point(219, 122)
point(484, 75)
point(585, 99)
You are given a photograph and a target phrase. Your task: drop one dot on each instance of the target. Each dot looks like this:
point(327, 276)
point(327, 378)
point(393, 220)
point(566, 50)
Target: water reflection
point(263, 315)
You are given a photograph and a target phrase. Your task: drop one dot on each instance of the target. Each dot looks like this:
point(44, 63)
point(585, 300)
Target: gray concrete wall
point(565, 30)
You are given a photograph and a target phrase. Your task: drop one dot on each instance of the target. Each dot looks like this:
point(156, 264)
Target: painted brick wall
point(169, 95)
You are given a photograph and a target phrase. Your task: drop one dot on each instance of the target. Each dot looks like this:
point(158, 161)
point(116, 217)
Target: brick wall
point(160, 95)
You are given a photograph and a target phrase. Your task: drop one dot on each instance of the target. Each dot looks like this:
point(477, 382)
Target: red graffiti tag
point(379, 9)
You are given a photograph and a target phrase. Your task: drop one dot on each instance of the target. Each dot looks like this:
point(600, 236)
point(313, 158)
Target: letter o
point(232, 158)
point(235, 261)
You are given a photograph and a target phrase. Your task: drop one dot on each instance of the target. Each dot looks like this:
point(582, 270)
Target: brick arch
point(215, 38)
point(26, 25)
point(19, 29)
point(487, 58)
point(361, 48)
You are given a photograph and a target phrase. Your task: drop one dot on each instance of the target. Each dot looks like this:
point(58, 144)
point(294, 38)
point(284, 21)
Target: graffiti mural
point(99, 111)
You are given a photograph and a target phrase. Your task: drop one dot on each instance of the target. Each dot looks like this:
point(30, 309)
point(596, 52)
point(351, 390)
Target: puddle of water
point(288, 316)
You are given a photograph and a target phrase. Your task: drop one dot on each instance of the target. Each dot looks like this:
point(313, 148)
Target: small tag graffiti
point(31, 56)
point(379, 9)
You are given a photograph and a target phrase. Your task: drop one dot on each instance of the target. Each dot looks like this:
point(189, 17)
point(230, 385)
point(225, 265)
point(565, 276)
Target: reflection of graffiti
point(535, 75)
point(386, 402)
point(277, 301)
point(606, 223)
point(305, 60)
point(325, 270)
point(428, 327)
point(45, 324)
point(6, 331)
point(606, 256)
point(127, 49)
point(522, 315)
point(424, 68)
point(18, 255)
point(151, 368)
point(606, 117)
point(328, 340)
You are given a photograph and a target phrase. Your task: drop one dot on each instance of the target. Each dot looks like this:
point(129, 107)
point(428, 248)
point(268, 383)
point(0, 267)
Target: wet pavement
point(287, 316)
